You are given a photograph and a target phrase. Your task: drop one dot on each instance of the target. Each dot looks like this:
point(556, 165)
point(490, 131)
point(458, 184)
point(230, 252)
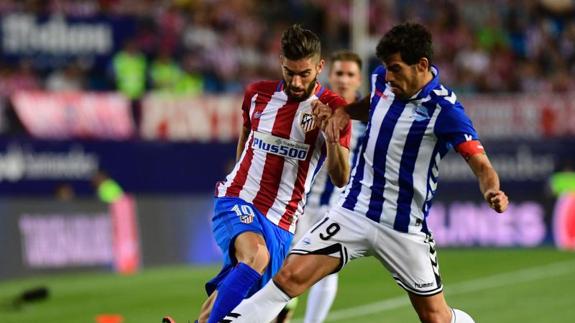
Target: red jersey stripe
point(272, 174)
point(242, 175)
point(299, 188)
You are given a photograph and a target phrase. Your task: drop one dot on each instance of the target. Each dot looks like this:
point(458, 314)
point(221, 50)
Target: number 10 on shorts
point(245, 212)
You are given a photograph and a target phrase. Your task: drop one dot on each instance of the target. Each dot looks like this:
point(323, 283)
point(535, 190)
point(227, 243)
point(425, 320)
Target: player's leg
point(431, 309)
point(435, 309)
point(207, 307)
point(320, 299)
point(323, 250)
point(252, 258)
point(412, 260)
point(298, 274)
point(239, 230)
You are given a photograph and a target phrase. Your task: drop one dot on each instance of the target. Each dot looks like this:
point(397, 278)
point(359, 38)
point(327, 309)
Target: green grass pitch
point(493, 285)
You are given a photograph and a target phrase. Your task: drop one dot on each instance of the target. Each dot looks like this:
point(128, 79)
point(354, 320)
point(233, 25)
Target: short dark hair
point(345, 55)
point(411, 40)
point(299, 43)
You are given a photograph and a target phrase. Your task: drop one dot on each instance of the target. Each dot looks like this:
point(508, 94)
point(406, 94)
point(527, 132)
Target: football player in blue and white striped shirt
point(413, 122)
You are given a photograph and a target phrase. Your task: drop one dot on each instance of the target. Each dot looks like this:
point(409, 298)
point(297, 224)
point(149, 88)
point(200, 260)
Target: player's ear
point(320, 65)
point(423, 64)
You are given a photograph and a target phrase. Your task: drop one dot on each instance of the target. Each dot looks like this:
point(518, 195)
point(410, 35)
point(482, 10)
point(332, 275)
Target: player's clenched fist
point(497, 200)
point(321, 113)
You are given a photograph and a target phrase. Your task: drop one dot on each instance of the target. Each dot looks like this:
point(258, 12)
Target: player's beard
point(306, 94)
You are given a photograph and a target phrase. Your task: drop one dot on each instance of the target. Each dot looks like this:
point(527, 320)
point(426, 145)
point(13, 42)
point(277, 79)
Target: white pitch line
point(498, 280)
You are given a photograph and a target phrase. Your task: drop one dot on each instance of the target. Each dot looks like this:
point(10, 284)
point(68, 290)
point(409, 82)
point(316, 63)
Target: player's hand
point(497, 200)
point(321, 113)
point(340, 118)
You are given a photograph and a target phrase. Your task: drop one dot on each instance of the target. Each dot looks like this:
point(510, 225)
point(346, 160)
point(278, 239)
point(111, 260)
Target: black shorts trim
point(334, 248)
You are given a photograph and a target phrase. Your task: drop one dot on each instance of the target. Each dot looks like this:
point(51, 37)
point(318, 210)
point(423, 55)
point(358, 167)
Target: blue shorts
point(233, 216)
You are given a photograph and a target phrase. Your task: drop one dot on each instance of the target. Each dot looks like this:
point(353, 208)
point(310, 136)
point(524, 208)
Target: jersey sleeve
point(454, 126)
point(335, 101)
point(377, 79)
point(246, 104)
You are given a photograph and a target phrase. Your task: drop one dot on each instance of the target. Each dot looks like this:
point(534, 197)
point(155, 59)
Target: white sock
point(460, 316)
point(263, 306)
point(320, 299)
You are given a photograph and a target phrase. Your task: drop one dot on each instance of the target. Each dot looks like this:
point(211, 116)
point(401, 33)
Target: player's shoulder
point(267, 87)
point(331, 98)
point(445, 97)
point(379, 71)
point(377, 79)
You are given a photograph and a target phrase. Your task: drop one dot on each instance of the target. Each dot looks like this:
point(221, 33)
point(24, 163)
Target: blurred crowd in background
point(215, 46)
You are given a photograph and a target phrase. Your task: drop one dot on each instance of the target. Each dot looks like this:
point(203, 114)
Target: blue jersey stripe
point(351, 198)
point(407, 166)
point(325, 196)
point(379, 158)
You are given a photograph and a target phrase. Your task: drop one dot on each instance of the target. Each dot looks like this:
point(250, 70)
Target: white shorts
point(309, 218)
point(409, 257)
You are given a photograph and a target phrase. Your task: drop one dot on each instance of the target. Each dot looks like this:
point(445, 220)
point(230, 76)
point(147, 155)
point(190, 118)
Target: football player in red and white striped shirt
point(280, 150)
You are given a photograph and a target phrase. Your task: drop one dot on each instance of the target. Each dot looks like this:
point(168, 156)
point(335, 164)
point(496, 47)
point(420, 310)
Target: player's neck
point(425, 80)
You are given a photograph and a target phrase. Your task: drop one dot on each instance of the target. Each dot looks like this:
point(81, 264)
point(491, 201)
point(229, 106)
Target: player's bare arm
point(338, 166)
point(488, 182)
point(245, 132)
point(337, 163)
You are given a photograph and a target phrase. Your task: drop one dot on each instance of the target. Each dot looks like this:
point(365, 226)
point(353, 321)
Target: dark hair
point(411, 40)
point(345, 55)
point(299, 43)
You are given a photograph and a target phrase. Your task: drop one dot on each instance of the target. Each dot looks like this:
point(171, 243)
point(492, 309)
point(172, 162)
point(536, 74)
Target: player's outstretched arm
point(488, 182)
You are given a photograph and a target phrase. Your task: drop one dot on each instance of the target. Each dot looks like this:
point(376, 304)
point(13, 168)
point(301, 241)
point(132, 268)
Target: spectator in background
point(70, 78)
point(165, 73)
point(64, 192)
point(129, 68)
point(167, 76)
point(108, 190)
point(563, 181)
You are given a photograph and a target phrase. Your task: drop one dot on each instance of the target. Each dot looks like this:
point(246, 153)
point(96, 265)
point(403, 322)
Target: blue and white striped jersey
point(396, 175)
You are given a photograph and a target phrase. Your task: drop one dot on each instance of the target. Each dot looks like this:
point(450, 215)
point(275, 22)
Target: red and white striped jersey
point(283, 151)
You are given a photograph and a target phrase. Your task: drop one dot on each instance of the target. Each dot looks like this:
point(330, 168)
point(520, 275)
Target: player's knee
point(257, 257)
point(293, 281)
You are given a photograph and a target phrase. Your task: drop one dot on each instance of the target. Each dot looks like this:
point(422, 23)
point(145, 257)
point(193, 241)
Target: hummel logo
point(423, 285)
point(257, 114)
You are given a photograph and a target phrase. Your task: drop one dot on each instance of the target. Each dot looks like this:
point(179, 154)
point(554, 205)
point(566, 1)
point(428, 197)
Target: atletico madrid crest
point(307, 122)
point(247, 218)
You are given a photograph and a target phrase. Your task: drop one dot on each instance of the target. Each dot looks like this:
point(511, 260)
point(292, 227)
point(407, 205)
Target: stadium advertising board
point(38, 167)
point(206, 118)
point(43, 235)
point(522, 115)
point(459, 217)
point(197, 118)
point(51, 41)
point(74, 115)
